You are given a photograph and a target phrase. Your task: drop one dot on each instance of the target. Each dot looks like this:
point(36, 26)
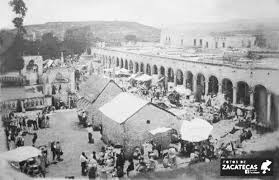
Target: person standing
point(35, 136)
point(58, 151)
point(83, 160)
point(92, 172)
point(90, 132)
point(131, 166)
point(53, 150)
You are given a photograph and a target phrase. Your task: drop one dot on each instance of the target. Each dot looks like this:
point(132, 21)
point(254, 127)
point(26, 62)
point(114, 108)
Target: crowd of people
point(108, 162)
point(18, 126)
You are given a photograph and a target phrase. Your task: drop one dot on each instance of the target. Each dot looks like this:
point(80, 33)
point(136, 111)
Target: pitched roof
point(122, 107)
point(92, 87)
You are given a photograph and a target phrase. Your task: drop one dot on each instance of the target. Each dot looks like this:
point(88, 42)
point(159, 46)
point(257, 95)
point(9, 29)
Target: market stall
point(161, 136)
point(195, 130)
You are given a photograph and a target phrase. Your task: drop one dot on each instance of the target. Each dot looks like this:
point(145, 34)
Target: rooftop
point(229, 57)
point(92, 87)
point(122, 107)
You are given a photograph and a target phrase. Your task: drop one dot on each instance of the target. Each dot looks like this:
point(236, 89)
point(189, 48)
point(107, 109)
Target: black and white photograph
point(139, 89)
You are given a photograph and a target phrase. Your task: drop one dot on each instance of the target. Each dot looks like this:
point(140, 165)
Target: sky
point(158, 13)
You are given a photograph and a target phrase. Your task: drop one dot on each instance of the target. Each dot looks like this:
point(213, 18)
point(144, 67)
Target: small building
point(33, 69)
point(127, 120)
point(98, 91)
point(60, 83)
point(22, 98)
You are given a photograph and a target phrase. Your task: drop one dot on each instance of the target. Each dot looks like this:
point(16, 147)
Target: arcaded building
point(234, 66)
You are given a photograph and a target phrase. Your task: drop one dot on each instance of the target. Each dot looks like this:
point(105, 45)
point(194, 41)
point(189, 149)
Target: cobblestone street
point(64, 127)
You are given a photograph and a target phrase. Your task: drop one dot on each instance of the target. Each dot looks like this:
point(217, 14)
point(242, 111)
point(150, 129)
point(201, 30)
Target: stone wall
point(137, 128)
point(110, 91)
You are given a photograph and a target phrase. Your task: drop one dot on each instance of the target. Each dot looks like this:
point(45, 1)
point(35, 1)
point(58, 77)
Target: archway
point(227, 89)
point(213, 85)
point(121, 63)
point(201, 84)
point(142, 67)
point(148, 69)
point(260, 103)
point(131, 65)
point(243, 96)
point(137, 67)
point(117, 62)
point(126, 64)
point(200, 89)
point(155, 69)
point(170, 75)
point(162, 70)
point(110, 62)
point(189, 80)
point(179, 77)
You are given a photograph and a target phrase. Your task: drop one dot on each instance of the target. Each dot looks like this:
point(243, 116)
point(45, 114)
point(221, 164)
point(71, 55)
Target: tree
point(131, 37)
point(77, 40)
point(12, 58)
point(50, 46)
point(20, 10)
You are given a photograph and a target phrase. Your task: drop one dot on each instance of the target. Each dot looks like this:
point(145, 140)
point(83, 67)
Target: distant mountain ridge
point(237, 25)
point(106, 30)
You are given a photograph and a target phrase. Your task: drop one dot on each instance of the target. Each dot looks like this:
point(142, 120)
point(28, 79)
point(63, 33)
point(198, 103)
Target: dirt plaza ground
point(74, 140)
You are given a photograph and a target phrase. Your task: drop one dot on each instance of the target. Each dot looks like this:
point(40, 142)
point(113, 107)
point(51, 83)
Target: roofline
point(163, 109)
point(149, 103)
point(105, 88)
point(134, 113)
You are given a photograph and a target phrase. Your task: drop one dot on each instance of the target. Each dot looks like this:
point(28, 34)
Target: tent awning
point(196, 130)
point(159, 130)
point(20, 154)
point(144, 78)
point(122, 71)
point(183, 90)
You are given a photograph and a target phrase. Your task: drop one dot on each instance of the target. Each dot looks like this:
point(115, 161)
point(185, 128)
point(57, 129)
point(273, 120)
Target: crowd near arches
point(201, 83)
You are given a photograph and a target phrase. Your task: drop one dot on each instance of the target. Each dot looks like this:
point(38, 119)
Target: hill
point(106, 30)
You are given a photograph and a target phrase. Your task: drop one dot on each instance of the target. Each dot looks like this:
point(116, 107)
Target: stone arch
point(110, 62)
point(154, 69)
point(131, 65)
point(189, 80)
point(136, 67)
point(126, 64)
point(200, 84)
point(121, 63)
point(142, 67)
point(179, 77)
point(170, 75)
point(243, 93)
point(162, 70)
point(117, 62)
point(260, 103)
point(148, 69)
point(213, 85)
point(227, 88)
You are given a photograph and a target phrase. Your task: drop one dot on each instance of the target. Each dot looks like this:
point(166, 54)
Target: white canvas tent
point(143, 78)
point(196, 130)
point(182, 90)
point(20, 154)
point(122, 107)
point(123, 71)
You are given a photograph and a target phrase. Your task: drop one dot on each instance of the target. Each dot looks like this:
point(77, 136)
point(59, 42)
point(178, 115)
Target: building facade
point(244, 82)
